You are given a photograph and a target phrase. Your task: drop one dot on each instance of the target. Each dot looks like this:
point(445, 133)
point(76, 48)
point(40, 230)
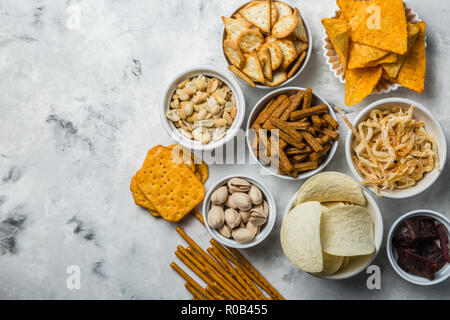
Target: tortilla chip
point(339, 32)
point(359, 83)
point(391, 35)
point(360, 55)
point(392, 69)
point(412, 73)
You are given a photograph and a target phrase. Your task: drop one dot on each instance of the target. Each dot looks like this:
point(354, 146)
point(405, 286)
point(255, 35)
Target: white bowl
point(211, 72)
point(316, 100)
point(360, 263)
point(297, 73)
point(391, 252)
point(267, 228)
point(432, 126)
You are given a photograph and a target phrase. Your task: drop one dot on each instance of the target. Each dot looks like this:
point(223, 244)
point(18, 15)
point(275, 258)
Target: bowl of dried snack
point(202, 108)
point(396, 148)
point(417, 247)
point(292, 133)
point(266, 43)
point(239, 211)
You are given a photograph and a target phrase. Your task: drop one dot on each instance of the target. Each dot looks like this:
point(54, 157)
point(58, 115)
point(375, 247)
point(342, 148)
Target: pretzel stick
point(186, 277)
point(208, 258)
point(198, 216)
point(234, 271)
point(194, 292)
point(231, 293)
point(249, 281)
point(222, 292)
point(236, 262)
point(258, 277)
point(213, 293)
point(213, 254)
point(228, 288)
point(194, 298)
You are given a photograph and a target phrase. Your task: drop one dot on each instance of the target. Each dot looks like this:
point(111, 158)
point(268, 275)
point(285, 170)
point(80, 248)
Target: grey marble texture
point(79, 110)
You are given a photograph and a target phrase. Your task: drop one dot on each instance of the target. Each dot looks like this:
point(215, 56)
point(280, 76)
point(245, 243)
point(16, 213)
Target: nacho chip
point(252, 67)
point(299, 31)
point(392, 69)
point(284, 26)
point(390, 34)
point(250, 40)
point(389, 58)
point(258, 14)
point(359, 83)
point(172, 188)
point(347, 231)
point(339, 33)
point(359, 55)
point(233, 53)
point(234, 27)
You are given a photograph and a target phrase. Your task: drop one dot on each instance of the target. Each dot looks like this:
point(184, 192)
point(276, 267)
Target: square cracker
point(172, 188)
point(139, 197)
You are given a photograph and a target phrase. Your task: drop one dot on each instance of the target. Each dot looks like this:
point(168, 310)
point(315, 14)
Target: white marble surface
point(79, 110)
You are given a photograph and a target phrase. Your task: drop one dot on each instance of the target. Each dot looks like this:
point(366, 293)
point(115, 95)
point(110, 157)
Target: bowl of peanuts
point(202, 108)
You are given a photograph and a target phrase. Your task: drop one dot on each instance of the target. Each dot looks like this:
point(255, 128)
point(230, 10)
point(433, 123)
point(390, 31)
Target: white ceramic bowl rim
point(266, 168)
point(378, 235)
point(264, 232)
point(297, 73)
point(377, 104)
point(209, 71)
point(442, 274)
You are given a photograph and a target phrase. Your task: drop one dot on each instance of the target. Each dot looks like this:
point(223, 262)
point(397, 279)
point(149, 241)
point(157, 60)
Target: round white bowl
point(316, 100)
point(210, 72)
point(391, 252)
point(432, 126)
point(360, 263)
point(265, 230)
point(297, 73)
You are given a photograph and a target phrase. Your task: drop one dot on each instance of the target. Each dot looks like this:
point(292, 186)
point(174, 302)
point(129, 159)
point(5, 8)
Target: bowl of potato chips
point(332, 228)
point(396, 148)
point(266, 44)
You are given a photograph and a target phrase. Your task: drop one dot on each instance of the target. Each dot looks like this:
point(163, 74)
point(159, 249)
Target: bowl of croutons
point(266, 44)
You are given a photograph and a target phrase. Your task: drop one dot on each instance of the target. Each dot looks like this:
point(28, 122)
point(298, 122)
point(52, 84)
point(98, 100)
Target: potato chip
point(283, 9)
point(253, 68)
point(233, 53)
point(392, 69)
point(299, 30)
point(300, 237)
point(339, 33)
point(359, 83)
point(249, 40)
point(331, 264)
point(330, 186)
point(258, 14)
point(347, 231)
point(412, 72)
point(284, 26)
point(172, 188)
point(278, 77)
point(380, 24)
point(359, 55)
point(234, 27)
point(288, 52)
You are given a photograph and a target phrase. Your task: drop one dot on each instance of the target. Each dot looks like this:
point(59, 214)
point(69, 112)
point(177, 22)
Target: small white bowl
point(210, 72)
point(432, 126)
point(316, 100)
point(267, 228)
point(297, 73)
point(356, 265)
point(391, 252)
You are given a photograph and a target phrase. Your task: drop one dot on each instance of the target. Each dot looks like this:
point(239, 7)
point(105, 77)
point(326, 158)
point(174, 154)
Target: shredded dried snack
point(393, 150)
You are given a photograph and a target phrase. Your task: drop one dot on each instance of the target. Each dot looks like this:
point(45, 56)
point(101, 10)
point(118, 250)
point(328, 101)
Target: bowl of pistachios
point(239, 211)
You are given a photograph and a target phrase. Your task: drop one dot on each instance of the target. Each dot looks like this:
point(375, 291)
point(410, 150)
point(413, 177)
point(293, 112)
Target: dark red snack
point(416, 264)
point(421, 228)
point(443, 241)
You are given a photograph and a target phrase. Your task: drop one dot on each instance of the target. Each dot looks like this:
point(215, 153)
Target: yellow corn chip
point(412, 72)
point(377, 23)
point(360, 55)
point(359, 83)
point(392, 69)
point(172, 188)
point(339, 32)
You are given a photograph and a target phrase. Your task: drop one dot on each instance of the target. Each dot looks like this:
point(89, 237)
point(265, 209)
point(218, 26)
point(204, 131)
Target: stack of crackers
point(375, 44)
point(170, 182)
